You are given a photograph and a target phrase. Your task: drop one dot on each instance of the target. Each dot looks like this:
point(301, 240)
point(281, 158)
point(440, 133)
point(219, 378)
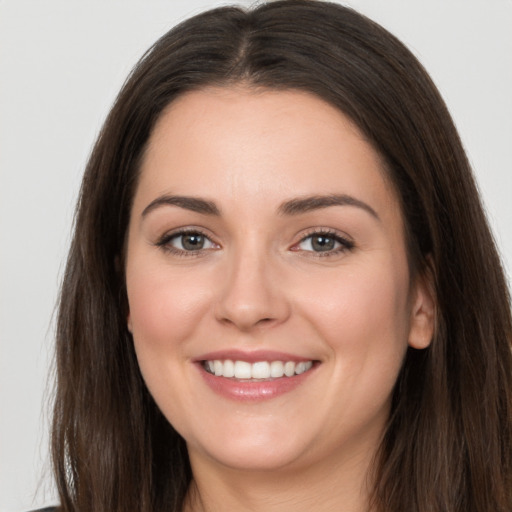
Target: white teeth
point(218, 368)
point(242, 370)
point(258, 370)
point(303, 367)
point(229, 369)
point(289, 368)
point(300, 368)
point(276, 369)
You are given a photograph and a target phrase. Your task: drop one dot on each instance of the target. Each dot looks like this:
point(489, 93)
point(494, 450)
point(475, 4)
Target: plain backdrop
point(61, 64)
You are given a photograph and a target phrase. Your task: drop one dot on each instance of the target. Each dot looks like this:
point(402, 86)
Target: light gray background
point(61, 64)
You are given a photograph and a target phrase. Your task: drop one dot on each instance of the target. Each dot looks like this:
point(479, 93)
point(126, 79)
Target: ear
point(129, 323)
point(423, 311)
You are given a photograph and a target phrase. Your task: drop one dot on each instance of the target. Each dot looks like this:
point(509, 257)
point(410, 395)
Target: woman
point(282, 291)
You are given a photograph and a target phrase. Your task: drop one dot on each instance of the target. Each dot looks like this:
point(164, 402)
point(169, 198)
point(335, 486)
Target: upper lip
point(251, 356)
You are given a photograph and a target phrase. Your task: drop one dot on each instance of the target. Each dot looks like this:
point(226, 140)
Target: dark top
point(48, 509)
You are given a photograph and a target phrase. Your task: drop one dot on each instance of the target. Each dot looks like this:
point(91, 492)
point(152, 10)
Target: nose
point(252, 294)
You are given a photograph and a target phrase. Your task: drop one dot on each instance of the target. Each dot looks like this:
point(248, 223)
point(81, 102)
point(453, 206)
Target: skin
point(258, 284)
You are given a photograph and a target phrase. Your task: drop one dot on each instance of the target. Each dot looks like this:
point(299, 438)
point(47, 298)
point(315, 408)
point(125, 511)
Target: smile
point(260, 370)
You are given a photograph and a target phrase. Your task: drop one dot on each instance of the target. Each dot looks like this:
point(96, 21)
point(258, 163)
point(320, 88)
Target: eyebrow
point(194, 204)
point(317, 202)
point(295, 206)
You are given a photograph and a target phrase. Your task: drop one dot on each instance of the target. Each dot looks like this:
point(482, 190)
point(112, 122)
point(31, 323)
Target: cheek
point(363, 314)
point(165, 307)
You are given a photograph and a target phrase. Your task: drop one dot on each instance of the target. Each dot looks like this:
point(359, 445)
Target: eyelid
point(346, 243)
point(163, 242)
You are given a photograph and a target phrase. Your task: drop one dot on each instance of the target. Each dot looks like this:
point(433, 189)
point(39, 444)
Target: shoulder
point(47, 509)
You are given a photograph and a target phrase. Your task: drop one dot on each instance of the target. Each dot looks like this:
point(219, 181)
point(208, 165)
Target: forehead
point(259, 145)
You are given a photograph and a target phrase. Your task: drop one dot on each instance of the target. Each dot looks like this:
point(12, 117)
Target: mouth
point(255, 372)
point(254, 376)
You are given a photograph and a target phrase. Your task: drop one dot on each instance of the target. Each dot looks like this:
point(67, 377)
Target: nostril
point(250, 323)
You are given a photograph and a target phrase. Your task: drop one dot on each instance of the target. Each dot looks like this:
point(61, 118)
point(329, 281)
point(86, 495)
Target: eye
point(186, 241)
point(324, 242)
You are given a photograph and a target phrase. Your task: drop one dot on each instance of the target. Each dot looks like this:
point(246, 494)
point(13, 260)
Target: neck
point(333, 485)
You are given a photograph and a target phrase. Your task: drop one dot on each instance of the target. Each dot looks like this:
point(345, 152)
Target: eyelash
point(344, 243)
point(165, 241)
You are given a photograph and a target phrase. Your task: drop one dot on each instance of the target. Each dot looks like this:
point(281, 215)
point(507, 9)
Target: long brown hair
point(447, 447)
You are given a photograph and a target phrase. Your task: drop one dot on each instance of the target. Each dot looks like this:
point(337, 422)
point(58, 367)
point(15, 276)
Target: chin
point(253, 458)
point(257, 450)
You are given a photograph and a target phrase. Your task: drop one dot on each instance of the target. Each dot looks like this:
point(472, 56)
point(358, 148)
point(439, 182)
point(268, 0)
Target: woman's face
point(269, 294)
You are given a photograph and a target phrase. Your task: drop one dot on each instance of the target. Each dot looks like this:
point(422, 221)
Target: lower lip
point(253, 391)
